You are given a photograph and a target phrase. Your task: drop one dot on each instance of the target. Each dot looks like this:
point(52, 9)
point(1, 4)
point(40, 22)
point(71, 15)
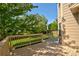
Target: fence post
point(1, 49)
point(11, 48)
point(4, 47)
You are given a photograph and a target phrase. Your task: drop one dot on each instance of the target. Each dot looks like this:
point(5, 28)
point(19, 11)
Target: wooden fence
point(5, 46)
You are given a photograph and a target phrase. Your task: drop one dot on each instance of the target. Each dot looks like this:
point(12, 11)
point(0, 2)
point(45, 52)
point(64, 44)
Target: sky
point(49, 10)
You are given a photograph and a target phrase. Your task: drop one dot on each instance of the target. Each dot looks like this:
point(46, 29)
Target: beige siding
point(70, 26)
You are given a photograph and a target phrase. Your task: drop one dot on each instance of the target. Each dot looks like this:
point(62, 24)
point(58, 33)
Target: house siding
point(70, 27)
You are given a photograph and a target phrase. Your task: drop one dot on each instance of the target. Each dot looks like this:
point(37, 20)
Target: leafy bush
point(53, 26)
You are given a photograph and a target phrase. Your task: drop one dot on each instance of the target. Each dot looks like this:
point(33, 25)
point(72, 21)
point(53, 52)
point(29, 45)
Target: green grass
point(23, 41)
point(28, 40)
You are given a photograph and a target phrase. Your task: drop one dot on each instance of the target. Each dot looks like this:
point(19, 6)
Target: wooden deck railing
point(5, 45)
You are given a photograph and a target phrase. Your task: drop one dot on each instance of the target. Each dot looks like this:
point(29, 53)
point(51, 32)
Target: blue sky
point(49, 10)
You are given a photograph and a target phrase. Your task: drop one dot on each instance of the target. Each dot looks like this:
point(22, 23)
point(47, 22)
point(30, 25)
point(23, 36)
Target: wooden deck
point(46, 48)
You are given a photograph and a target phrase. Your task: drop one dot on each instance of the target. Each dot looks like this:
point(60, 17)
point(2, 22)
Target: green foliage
point(38, 23)
point(53, 26)
point(8, 13)
point(31, 24)
point(15, 20)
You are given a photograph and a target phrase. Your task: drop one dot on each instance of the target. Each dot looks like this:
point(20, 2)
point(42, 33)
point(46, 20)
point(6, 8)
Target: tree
point(53, 26)
point(8, 13)
point(15, 20)
point(39, 23)
point(35, 23)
